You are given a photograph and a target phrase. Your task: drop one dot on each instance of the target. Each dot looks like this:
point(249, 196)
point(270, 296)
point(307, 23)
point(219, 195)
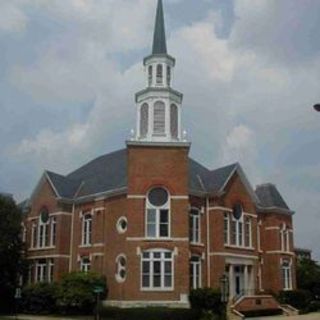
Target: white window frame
point(50, 270)
point(85, 264)
point(162, 261)
point(86, 239)
point(285, 238)
point(226, 228)
point(157, 209)
point(286, 274)
point(247, 221)
point(195, 226)
point(120, 267)
point(195, 273)
point(43, 233)
point(240, 231)
point(34, 231)
point(41, 271)
point(53, 231)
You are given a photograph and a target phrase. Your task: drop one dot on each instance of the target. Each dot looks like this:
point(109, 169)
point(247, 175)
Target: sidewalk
point(310, 316)
point(33, 317)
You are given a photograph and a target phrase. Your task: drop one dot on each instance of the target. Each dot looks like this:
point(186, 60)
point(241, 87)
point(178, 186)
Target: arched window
point(150, 75)
point(121, 268)
point(144, 120)
point(43, 228)
point(159, 74)
point(159, 116)
point(157, 214)
point(240, 225)
point(168, 76)
point(157, 270)
point(174, 121)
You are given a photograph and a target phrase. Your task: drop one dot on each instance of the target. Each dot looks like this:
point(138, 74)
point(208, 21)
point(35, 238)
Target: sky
point(249, 71)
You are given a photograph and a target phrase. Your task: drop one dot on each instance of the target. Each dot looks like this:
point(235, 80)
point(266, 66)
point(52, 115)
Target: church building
point(156, 222)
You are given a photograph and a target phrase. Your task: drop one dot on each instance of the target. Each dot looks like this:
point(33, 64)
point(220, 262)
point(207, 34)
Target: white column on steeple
point(158, 91)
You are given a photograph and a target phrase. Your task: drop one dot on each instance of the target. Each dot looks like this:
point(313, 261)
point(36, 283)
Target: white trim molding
point(272, 228)
point(53, 214)
point(48, 256)
point(98, 244)
point(280, 252)
point(157, 239)
point(233, 255)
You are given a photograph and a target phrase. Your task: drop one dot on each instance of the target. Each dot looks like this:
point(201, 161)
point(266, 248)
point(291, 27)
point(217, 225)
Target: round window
point(158, 197)
point(237, 211)
point(122, 225)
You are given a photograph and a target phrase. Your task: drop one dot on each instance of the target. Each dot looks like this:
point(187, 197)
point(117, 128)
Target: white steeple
point(158, 105)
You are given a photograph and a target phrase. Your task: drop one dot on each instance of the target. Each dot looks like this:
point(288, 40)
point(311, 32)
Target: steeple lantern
point(158, 105)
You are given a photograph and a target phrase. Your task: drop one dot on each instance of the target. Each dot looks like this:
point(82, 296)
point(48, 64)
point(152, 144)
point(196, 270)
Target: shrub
point(76, 292)
point(206, 299)
point(149, 314)
point(313, 306)
point(39, 298)
point(299, 299)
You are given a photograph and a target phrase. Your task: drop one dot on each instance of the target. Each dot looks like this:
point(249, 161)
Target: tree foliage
point(11, 247)
point(76, 292)
point(39, 298)
point(308, 277)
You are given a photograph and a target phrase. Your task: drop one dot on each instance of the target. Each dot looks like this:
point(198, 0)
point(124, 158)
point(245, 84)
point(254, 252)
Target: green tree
point(308, 277)
point(11, 248)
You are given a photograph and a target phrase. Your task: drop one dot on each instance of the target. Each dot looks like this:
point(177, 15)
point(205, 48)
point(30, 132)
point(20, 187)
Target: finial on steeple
point(159, 36)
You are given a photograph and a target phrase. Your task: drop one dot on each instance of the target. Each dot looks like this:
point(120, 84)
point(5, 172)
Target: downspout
point(208, 243)
point(71, 238)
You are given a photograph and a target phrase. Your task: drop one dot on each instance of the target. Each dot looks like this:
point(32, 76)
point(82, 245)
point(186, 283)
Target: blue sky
point(249, 71)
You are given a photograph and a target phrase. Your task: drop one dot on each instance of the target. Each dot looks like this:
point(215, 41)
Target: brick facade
point(166, 167)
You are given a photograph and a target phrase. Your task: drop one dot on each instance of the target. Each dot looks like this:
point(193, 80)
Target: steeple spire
point(159, 36)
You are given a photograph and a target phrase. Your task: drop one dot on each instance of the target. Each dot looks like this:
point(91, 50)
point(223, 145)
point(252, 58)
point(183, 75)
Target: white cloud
point(244, 101)
point(12, 17)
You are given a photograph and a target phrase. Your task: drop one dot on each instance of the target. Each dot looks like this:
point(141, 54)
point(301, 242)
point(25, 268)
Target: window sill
point(238, 247)
point(85, 246)
point(197, 244)
point(42, 248)
point(156, 289)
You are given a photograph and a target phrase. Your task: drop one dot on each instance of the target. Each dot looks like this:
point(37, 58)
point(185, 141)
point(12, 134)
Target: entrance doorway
point(239, 280)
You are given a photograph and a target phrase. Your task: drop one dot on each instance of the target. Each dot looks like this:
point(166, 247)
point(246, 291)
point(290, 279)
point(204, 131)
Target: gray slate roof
point(159, 36)
point(108, 173)
point(269, 196)
point(66, 187)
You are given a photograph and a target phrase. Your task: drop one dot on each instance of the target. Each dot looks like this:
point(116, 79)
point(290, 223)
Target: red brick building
point(155, 222)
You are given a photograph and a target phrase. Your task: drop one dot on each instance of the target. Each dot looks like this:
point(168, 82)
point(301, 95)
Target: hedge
point(74, 294)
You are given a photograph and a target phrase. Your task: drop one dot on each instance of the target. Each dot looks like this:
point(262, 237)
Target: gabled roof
point(65, 187)
point(217, 179)
point(159, 36)
point(270, 197)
